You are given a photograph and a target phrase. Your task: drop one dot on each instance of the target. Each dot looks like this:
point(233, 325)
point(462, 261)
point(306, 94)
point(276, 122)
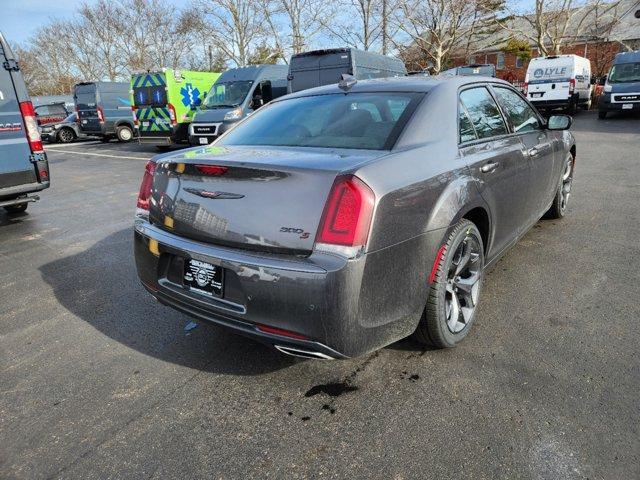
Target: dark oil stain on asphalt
point(334, 389)
point(326, 406)
point(304, 419)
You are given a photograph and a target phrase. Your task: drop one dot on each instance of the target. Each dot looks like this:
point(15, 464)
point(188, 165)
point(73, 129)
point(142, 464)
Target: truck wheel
point(66, 135)
point(19, 208)
point(602, 114)
point(571, 108)
point(124, 133)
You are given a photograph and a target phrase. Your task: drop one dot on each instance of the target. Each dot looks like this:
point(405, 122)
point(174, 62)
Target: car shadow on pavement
point(100, 286)
point(10, 219)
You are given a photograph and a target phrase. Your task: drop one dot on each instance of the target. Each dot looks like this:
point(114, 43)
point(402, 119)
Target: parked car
point(24, 169)
point(51, 113)
point(237, 93)
point(373, 211)
point(66, 131)
point(559, 81)
point(164, 103)
point(621, 90)
point(66, 100)
point(479, 69)
point(326, 67)
point(104, 110)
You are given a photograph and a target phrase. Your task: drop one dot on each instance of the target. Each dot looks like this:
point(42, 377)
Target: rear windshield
point(625, 72)
point(370, 121)
point(51, 110)
point(85, 95)
point(155, 96)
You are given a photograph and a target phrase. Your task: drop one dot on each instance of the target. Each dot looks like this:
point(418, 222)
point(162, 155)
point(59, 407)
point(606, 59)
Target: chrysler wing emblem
point(214, 195)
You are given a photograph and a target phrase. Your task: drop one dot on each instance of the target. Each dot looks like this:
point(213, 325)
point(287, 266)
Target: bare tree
point(356, 23)
point(236, 27)
point(439, 29)
point(293, 24)
point(554, 23)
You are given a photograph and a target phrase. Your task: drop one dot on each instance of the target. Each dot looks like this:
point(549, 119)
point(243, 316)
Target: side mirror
point(602, 80)
point(559, 122)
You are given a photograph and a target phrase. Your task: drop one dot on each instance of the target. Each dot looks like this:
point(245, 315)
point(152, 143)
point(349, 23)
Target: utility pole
point(384, 27)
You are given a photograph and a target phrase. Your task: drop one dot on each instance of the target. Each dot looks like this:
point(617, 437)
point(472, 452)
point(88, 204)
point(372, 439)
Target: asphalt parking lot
point(100, 381)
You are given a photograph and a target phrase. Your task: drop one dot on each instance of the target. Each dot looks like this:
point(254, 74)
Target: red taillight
point(172, 114)
point(347, 213)
point(145, 186)
point(135, 116)
point(31, 126)
point(100, 115)
point(77, 115)
point(525, 88)
point(215, 170)
point(280, 332)
point(572, 85)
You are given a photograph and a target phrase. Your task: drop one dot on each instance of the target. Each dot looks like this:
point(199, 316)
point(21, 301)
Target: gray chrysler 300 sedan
point(337, 220)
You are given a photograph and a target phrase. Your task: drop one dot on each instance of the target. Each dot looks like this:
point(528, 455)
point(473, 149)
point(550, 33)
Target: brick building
point(625, 34)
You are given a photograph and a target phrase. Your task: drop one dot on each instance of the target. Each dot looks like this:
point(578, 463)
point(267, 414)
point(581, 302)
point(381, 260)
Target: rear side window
point(369, 121)
point(467, 133)
point(483, 112)
point(518, 111)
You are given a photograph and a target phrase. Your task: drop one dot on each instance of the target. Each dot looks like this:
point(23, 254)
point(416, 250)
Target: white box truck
point(559, 81)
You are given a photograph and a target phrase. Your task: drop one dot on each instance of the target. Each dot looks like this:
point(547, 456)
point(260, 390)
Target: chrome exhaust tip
point(297, 352)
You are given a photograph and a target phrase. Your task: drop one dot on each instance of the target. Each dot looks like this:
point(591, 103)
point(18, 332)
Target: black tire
point(19, 208)
point(66, 135)
point(559, 206)
point(572, 108)
point(124, 133)
point(602, 114)
point(434, 328)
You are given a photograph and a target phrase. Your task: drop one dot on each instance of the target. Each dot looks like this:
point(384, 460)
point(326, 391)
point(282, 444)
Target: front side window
point(484, 113)
point(369, 121)
point(517, 110)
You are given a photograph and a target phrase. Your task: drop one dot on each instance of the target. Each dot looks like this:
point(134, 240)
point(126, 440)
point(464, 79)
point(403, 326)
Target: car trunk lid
point(267, 199)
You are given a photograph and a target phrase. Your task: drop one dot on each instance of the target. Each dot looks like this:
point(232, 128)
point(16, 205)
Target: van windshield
point(227, 94)
point(625, 72)
point(370, 121)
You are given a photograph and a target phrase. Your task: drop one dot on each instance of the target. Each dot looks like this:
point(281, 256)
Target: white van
point(559, 81)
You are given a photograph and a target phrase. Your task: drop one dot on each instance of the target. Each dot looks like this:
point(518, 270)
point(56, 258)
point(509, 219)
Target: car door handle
point(489, 167)
point(533, 152)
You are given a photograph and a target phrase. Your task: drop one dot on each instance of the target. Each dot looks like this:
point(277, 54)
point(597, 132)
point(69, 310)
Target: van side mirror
point(602, 80)
point(559, 122)
point(256, 102)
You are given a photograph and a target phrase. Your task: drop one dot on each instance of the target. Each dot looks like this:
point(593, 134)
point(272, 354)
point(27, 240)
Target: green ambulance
point(164, 102)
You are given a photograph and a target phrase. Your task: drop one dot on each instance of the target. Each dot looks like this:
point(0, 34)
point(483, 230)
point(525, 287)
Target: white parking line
point(98, 154)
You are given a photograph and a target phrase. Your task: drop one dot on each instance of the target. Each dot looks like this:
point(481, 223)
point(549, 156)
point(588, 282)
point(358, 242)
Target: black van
point(325, 67)
point(23, 163)
point(237, 93)
point(104, 110)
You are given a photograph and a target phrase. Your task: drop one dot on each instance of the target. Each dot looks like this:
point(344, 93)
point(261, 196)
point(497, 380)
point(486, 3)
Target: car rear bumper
point(337, 307)
point(558, 103)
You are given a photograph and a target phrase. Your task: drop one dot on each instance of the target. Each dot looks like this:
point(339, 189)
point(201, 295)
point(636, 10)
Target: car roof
point(411, 83)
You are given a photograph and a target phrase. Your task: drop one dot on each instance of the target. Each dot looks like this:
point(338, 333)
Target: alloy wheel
point(463, 284)
point(65, 135)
